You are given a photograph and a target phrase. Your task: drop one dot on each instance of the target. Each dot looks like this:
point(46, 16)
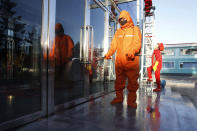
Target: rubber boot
point(118, 98)
point(131, 101)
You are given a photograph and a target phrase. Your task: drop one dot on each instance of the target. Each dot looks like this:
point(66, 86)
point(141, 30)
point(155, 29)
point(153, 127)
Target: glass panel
point(73, 78)
point(69, 74)
point(20, 33)
point(168, 52)
point(188, 51)
point(97, 22)
point(188, 65)
point(168, 65)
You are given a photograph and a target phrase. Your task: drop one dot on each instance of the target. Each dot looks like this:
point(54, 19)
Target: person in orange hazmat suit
point(156, 65)
point(127, 43)
point(62, 51)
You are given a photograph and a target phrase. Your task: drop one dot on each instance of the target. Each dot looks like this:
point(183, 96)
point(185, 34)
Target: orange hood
point(124, 14)
point(161, 47)
point(59, 30)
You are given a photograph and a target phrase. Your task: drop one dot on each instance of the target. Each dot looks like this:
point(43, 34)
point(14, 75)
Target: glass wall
point(75, 78)
point(20, 53)
point(97, 22)
point(69, 73)
point(24, 66)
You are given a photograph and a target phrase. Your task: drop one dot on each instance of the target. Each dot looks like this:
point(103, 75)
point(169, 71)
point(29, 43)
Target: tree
point(9, 22)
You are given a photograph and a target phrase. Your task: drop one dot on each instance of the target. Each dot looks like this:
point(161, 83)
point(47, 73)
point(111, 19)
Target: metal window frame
point(170, 54)
point(186, 62)
point(181, 54)
point(168, 61)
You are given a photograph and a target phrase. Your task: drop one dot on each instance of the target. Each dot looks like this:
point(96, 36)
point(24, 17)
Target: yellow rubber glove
point(155, 66)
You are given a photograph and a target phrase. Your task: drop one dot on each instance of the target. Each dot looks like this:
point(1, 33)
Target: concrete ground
point(183, 84)
point(186, 85)
point(165, 111)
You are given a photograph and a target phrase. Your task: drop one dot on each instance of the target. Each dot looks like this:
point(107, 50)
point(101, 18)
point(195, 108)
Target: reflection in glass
point(61, 53)
point(153, 111)
point(78, 78)
point(20, 24)
point(68, 71)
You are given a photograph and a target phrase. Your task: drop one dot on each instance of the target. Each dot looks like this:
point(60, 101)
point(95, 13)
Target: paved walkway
point(165, 111)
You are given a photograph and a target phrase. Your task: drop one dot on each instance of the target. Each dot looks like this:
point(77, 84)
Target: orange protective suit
point(127, 43)
point(61, 53)
point(62, 49)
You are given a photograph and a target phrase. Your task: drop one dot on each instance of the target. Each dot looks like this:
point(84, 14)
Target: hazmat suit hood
point(59, 30)
point(124, 14)
point(161, 47)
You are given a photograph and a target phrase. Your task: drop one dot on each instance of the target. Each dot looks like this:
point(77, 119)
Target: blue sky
point(176, 21)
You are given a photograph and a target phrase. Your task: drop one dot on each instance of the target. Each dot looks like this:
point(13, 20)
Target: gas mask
point(122, 21)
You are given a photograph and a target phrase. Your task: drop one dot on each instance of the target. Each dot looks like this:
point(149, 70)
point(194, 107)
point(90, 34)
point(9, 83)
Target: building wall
point(178, 63)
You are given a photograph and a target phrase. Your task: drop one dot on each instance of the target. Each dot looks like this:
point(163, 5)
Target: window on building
point(168, 65)
point(188, 65)
point(188, 51)
point(168, 52)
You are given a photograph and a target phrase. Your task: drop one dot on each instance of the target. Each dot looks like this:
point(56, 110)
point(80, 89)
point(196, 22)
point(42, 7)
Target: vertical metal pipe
point(106, 40)
point(142, 12)
point(84, 42)
point(44, 50)
point(138, 12)
point(85, 34)
point(92, 43)
point(88, 43)
point(51, 70)
point(106, 30)
point(143, 55)
point(153, 32)
point(80, 45)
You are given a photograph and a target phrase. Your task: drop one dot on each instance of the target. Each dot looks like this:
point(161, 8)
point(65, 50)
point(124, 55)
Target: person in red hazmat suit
point(154, 112)
point(156, 65)
point(126, 43)
point(62, 51)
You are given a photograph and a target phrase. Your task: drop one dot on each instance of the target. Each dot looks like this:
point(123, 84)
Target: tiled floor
point(165, 111)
